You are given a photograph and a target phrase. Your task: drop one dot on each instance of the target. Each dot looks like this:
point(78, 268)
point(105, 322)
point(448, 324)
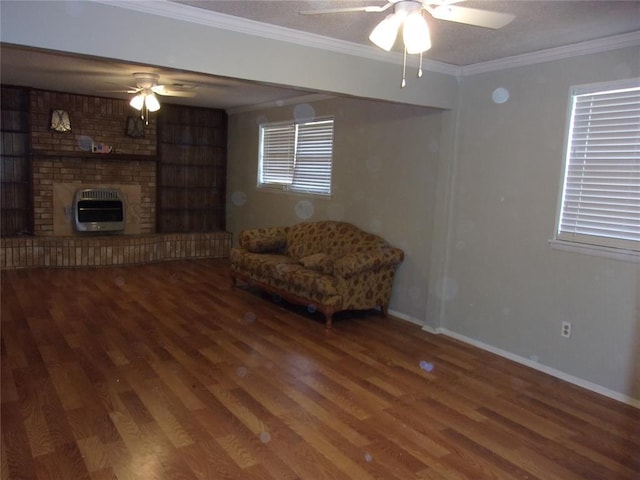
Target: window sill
point(295, 193)
point(596, 250)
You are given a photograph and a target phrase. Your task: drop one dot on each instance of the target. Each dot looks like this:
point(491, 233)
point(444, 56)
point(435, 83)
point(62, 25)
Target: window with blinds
point(297, 156)
point(600, 202)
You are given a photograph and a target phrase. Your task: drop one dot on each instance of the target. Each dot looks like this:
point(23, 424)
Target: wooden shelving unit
point(191, 169)
point(15, 168)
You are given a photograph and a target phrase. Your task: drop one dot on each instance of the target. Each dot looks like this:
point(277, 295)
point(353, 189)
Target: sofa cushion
point(305, 282)
point(260, 265)
point(285, 273)
point(305, 239)
point(345, 238)
point(319, 262)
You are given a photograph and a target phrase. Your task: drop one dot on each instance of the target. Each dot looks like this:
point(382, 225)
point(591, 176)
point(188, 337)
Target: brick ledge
point(107, 250)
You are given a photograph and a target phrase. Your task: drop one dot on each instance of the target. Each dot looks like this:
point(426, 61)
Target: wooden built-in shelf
point(192, 162)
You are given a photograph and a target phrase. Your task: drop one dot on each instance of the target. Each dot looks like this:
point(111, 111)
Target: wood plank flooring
point(167, 371)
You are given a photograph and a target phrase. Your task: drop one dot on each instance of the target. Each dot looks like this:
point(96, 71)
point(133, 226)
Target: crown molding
point(558, 53)
point(223, 21)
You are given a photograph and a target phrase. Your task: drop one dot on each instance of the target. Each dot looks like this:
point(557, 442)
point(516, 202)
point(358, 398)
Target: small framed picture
point(135, 127)
point(60, 121)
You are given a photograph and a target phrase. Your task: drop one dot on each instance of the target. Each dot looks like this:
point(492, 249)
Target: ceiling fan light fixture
point(409, 14)
point(385, 33)
point(151, 102)
point(137, 102)
point(415, 33)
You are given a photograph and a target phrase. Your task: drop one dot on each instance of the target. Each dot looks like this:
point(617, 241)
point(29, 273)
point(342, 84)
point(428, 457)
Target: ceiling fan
point(146, 89)
point(409, 14)
point(439, 9)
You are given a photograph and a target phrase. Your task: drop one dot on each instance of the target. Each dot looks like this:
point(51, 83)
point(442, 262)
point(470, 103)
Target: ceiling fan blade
point(163, 90)
point(177, 93)
point(471, 16)
point(371, 8)
point(116, 91)
point(444, 2)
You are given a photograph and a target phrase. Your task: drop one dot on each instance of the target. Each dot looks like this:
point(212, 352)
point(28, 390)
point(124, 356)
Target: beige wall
point(505, 286)
point(384, 179)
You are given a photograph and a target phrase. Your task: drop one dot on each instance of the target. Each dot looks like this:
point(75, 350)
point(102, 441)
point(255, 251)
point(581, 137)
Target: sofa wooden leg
point(328, 315)
point(383, 310)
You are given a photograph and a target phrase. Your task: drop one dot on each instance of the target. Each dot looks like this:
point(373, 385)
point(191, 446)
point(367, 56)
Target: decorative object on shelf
point(409, 15)
point(101, 148)
point(60, 121)
point(135, 127)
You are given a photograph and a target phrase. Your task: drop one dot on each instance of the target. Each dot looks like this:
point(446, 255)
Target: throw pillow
point(263, 240)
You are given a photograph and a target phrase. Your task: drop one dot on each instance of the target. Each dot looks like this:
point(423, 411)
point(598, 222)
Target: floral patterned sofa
point(332, 266)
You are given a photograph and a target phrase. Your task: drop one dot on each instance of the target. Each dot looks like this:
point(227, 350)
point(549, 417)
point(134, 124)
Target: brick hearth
point(108, 250)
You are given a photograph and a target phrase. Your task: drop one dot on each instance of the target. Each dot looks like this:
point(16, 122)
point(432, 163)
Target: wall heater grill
point(98, 210)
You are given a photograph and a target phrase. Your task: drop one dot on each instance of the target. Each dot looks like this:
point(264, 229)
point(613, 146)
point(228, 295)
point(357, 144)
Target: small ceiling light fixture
point(146, 102)
point(147, 90)
point(415, 32)
point(145, 99)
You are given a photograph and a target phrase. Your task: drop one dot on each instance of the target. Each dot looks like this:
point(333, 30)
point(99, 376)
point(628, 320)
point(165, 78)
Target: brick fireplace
point(56, 179)
point(63, 162)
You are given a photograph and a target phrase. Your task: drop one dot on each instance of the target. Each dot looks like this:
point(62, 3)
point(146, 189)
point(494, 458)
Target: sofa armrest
point(357, 262)
point(261, 240)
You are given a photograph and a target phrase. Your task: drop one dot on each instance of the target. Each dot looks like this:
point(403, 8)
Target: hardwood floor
point(167, 371)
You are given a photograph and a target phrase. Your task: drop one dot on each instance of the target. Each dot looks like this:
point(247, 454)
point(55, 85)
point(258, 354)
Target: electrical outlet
point(566, 329)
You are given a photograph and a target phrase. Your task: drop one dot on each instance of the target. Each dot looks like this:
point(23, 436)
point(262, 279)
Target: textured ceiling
point(538, 24)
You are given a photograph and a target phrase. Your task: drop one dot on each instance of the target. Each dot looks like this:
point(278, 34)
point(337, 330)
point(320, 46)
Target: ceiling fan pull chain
point(404, 69)
point(420, 68)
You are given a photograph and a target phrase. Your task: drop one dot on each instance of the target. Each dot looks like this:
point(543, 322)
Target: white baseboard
point(594, 387)
point(406, 318)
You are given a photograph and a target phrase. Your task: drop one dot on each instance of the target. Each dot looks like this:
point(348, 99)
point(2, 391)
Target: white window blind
point(278, 147)
point(601, 195)
point(297, 156)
